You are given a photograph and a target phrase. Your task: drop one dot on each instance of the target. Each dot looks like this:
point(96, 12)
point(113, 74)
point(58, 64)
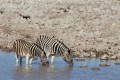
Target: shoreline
point(81, 25)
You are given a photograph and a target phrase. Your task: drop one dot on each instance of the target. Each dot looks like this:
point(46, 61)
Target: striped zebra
point(29, 51)
point(54, 47)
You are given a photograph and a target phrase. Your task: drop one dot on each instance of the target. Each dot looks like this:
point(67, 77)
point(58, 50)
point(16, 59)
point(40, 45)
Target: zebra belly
point(56, 55)
point(23, 55)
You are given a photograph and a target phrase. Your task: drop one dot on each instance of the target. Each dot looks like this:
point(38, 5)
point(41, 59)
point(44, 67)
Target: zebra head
point(68, 57)
point(44, 60)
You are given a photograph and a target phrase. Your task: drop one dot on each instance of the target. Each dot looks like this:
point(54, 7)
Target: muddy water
point(59, 71)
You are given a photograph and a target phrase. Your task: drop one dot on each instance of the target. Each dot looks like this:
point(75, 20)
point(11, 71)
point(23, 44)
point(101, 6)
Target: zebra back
point(38, 51)
point(57, 47)
point(22, 48)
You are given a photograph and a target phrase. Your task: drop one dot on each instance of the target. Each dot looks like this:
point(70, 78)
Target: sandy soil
point(80, 24)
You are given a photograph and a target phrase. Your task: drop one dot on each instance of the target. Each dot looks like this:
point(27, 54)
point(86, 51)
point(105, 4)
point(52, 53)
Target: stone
point(113, 57)
point(79, 59)
point(117, 63)
point(95, 68)
point(83, 66)
point(93, 55)
point(104, 65)
point(104, 57)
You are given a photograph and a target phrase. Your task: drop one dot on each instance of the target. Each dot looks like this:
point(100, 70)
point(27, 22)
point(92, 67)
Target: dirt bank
point(80, 24)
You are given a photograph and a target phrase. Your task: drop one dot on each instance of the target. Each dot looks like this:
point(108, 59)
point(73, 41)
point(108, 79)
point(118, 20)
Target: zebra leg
point(27, 57)
point(52, 59)
point(47, 56)
point(20, 60)
point(16, 56)
point(31, 60)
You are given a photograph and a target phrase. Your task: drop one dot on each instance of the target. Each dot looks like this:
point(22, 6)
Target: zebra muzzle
point(45, 64)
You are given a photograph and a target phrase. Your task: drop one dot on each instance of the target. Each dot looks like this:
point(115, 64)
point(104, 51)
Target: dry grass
point(6, 30)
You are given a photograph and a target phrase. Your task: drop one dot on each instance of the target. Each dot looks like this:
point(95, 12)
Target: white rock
point(93, 54)
point(118, 55)
point(86, 54)
point(104, 57)
point(113, 57)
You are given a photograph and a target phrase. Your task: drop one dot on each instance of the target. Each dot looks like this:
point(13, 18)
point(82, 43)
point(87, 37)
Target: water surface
point(59, 71)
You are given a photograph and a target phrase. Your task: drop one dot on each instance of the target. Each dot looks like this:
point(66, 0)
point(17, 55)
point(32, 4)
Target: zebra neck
point(41, 54)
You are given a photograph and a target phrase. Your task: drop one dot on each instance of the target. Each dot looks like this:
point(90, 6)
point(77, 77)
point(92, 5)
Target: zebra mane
point(64, 45)
point(53, 38)
point(39, 48)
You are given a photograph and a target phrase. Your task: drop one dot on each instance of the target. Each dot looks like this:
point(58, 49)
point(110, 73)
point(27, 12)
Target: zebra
point(54, 47)
point(29, 51)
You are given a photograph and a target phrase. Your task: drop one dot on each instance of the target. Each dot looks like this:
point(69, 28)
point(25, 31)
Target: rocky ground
point(83, 25)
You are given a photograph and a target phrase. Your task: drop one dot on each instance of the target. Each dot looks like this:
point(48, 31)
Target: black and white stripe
point(28, 50)
point(53, 46)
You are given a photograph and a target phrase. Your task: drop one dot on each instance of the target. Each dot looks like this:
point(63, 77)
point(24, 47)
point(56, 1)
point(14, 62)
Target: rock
point(93, 55)
point(83, 66)
point(104, 65)
point(113, 57)
point(95, 68)
point(81, 55)
point(78, 54)
point(118, 55)
point(104, 57)
point(117, 63)
point(86, 54)
point(79, 59)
